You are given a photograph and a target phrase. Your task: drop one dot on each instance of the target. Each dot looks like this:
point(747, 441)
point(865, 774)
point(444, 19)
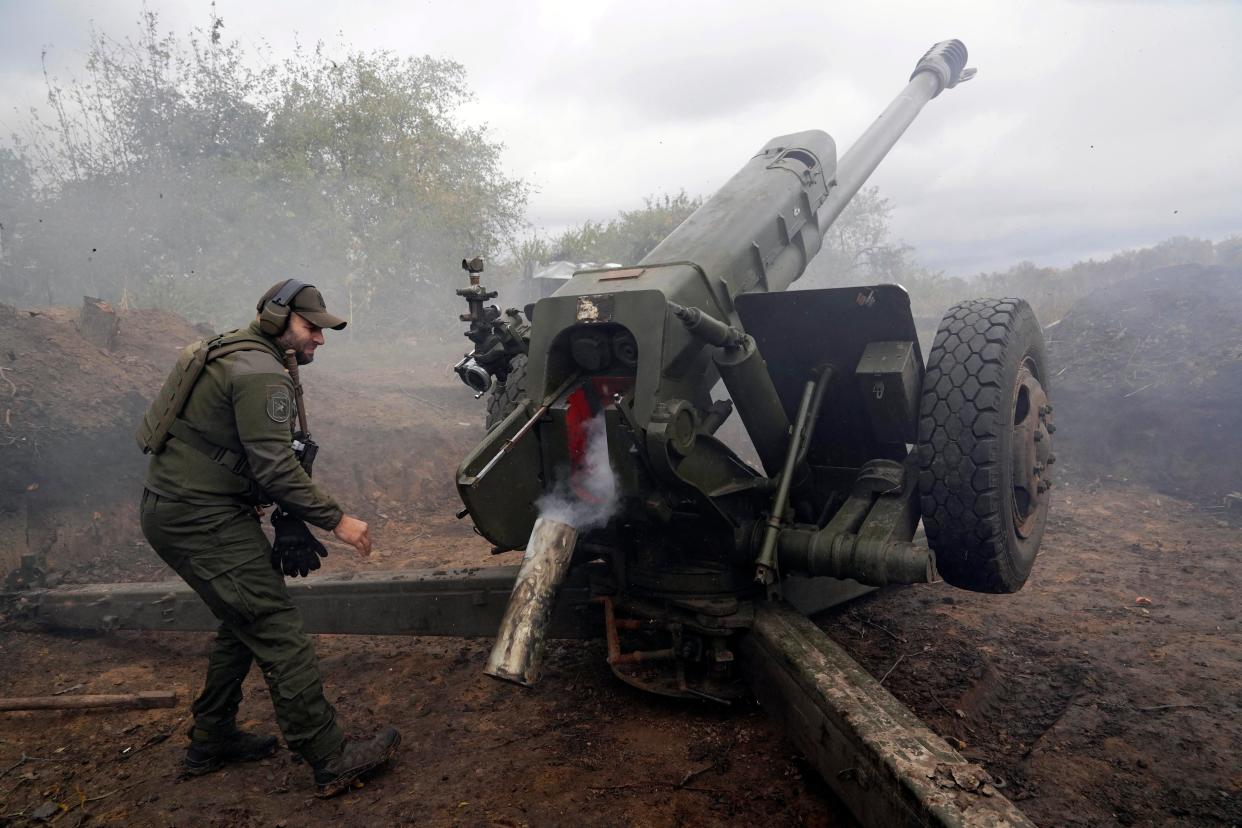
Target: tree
point(16, 197)
point(1229, 252)
point(857, 248)
point(402, 189)
point(188, 173)
point(140, 171)
point(627, 238)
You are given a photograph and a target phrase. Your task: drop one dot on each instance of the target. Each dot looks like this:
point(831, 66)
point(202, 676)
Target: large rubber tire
point(984, 444)
point(505, 397)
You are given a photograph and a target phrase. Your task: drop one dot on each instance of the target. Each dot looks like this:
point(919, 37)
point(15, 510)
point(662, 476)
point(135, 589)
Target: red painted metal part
point(582, 405)
point(612, 623)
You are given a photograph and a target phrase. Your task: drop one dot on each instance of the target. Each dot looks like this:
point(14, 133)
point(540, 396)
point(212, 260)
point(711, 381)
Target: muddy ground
point(1107, 692)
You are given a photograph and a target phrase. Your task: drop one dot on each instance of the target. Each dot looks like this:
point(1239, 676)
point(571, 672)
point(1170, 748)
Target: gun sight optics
point(474, 375)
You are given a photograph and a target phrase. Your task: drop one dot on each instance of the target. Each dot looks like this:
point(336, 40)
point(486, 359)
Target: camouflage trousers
point(221, 552)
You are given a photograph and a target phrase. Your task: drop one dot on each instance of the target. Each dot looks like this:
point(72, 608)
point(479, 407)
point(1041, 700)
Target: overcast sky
point(1090, 128)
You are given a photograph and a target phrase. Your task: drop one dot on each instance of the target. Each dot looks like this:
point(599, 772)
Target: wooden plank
point(886, 765)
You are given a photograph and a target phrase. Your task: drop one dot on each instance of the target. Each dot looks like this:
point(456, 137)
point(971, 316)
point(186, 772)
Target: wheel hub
point(1032, 448)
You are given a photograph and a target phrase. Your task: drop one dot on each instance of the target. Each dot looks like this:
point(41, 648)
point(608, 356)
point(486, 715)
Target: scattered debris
point(926, 649)
point(45, 811)
point(967, 777)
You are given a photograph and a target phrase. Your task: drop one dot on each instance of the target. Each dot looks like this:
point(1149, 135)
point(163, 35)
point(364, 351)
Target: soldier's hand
point(355, 532)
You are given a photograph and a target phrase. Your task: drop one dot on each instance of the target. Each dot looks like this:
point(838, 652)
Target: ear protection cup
point(274, 313)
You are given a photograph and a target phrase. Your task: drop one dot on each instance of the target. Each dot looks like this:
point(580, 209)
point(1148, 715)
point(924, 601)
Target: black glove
point(295, 551)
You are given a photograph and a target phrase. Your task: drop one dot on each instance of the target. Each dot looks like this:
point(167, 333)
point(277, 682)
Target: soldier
point(220, 435)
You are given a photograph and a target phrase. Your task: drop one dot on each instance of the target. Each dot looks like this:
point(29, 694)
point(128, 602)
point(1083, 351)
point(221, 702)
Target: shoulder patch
point(279, 403)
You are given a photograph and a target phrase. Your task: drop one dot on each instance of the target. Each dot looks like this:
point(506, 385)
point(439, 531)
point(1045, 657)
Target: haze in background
point(1088, 126)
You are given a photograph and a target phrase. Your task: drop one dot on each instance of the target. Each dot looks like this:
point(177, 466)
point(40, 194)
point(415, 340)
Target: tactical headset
point(274, 313)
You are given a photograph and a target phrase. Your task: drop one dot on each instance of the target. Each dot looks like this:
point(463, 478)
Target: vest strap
point(231, 460)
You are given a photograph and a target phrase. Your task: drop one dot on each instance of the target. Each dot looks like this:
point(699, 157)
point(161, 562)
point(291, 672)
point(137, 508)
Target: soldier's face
point(302, 337)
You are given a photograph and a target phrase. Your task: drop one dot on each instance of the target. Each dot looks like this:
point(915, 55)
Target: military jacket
point(243, 402)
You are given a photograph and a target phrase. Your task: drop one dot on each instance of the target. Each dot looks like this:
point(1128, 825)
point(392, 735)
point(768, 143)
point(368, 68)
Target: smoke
point(588, 497)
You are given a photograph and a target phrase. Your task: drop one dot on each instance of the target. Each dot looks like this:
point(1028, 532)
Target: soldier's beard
point(303, 347)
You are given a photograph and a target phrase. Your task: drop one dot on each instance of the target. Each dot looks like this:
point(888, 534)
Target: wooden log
point(116, 701)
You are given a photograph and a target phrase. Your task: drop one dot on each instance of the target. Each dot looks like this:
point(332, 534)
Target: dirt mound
point(1147, 380)
point(55, 384)
point(68, 410)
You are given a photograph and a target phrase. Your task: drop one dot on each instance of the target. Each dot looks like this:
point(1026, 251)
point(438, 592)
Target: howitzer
point(605, 461)
point(693, 551)
point(856, 437)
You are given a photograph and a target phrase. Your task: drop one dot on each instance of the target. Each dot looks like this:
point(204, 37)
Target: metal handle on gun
point(525, 429)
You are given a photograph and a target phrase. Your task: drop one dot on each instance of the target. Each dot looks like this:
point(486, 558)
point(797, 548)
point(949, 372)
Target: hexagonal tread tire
point(982, 540)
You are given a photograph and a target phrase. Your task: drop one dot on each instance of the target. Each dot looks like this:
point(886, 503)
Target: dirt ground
point(1107, 692)
point(1094, 707)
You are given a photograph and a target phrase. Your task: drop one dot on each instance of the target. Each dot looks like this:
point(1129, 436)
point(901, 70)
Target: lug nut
point(1052, 458)
point(1039, 435)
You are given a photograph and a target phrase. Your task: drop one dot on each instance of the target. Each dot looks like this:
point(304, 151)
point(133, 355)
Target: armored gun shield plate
point(502, 504)
point(799, 330)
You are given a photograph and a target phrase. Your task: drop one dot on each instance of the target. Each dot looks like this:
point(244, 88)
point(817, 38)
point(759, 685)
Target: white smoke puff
point(594, 478)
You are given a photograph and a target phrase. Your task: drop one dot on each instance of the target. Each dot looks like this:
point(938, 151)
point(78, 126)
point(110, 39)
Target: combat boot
point(207, 755)
point(353, 759)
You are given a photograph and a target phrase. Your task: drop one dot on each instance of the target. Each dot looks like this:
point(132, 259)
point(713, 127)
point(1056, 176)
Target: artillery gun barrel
point(942, 67)
point(761, 229)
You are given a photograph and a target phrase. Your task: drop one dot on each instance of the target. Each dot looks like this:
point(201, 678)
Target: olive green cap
point(307, 303)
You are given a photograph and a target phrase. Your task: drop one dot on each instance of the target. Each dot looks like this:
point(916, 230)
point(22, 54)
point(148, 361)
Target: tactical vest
point(162, 419)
